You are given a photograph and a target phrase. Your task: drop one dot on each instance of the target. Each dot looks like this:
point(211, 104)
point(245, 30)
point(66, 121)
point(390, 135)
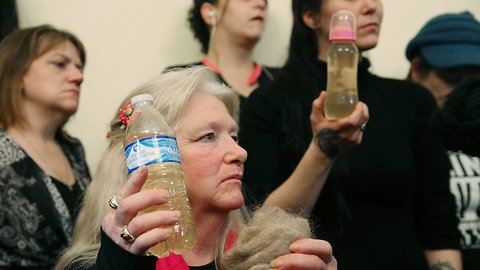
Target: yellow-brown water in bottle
point(169, 176)
point(342, 62)
point(150, 141)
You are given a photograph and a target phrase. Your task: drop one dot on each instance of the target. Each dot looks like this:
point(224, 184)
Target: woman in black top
point(228, 31)
point(386, 204)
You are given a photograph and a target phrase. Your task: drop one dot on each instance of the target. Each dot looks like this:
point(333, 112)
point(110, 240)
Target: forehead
point(65, 48)
point(205, 103)
point(204, 107)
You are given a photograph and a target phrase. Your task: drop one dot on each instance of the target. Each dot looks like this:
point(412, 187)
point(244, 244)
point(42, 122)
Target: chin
point(365, 46)
point(236, 201)
point(367, 42)
point(255, 35)
point(69, 111)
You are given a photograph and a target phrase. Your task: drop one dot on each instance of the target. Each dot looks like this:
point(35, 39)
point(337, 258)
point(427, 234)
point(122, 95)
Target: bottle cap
point(343, 26)
point(140, 98)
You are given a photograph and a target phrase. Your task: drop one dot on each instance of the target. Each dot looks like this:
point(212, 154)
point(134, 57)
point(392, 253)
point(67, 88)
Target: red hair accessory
point(125, 113)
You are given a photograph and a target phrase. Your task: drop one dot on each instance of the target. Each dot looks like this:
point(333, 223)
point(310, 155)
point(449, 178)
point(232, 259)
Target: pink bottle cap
point(343, 26)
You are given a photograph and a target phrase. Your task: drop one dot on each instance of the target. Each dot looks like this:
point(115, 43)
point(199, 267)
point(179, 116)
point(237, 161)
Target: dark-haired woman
point(43, 171)
point(228, 31)
point(386, 204)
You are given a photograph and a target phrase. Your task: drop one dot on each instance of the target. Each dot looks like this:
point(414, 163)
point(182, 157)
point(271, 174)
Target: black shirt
point(385, 201)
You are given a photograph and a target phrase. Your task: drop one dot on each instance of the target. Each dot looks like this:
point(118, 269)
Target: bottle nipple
point(343, 26)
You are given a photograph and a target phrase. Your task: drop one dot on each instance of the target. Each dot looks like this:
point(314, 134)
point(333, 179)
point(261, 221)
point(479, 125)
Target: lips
point(258, 18)
point(369, 25)
point(234, 177)
point(75, 91)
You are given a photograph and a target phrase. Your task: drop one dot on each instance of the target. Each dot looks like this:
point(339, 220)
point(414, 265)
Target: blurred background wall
point(130, 41)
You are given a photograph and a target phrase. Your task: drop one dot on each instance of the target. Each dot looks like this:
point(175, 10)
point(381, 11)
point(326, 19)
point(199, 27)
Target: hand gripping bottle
point(151, 142)
point(342, 61)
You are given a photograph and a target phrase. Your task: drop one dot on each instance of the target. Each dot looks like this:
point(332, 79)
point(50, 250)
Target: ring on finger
point(126, 235)
point(112, 202)
point(363, 127)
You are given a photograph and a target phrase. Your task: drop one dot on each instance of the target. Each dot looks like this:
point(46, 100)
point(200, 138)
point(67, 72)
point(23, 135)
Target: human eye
point(61, 64)
point(235, 137)
point(207, 137)
point(79, 67)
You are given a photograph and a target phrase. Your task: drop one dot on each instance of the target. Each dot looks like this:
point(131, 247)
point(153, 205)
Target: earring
point(211, 14)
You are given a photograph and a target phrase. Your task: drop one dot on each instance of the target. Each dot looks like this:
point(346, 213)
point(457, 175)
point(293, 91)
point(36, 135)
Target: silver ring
point(363, 127)
point(126, 235)
point(113, 202)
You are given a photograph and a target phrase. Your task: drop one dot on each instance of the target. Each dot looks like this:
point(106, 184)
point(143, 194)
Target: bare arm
point(301, 190)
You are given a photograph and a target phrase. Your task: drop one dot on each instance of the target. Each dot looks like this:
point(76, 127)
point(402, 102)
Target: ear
point(414, 73)
point(311, 19)
point(208, 13)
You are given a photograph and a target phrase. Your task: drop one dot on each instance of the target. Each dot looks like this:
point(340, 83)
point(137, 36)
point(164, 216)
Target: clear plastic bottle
point(150, 141)
point(342, 61)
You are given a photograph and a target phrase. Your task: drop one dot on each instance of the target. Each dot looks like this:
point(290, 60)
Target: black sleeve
point(112, 257)
point(435, 205)
point(261, 135)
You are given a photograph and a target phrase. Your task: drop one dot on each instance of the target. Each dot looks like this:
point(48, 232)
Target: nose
point(76, 75)
point(369, 6)
point(260, 3)
point(235, 153)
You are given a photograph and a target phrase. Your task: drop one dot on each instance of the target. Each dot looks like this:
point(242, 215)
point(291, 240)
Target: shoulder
point(180, 66)
point(274, 71)
point(10, 152)
point(400, 85)
point(402, 90)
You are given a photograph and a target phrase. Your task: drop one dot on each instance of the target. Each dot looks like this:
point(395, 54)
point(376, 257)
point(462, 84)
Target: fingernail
point(277, 263)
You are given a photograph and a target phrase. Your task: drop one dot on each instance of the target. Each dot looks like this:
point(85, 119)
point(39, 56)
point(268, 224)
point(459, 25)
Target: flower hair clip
point(125, 113)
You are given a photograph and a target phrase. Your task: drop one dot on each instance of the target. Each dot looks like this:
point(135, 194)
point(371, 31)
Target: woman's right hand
point(147, 229)
point(336, 136)
point(307, 254)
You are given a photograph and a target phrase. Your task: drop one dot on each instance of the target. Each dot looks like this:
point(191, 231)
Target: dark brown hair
point(451, 76)
point(18, 51)
point(199, 28)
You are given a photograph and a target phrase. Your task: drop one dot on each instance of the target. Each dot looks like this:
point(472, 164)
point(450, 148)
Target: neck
point(226, 56)
point(42, 130)
point(322, 49)
point(40, 123)
point(208, 229)
point(236, 65)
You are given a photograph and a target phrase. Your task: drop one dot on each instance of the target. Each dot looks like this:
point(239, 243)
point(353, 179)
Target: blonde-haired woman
point(43, 172)
point(202, 112)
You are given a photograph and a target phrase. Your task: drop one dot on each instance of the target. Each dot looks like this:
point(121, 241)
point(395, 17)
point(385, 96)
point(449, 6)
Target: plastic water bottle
point(342, 61)
point(150, 141)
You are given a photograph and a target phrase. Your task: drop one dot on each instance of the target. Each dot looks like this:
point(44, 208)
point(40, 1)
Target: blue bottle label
point(151, 150)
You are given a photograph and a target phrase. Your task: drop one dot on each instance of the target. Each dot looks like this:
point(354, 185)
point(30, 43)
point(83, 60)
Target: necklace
point(252, 79)
point(63, 176)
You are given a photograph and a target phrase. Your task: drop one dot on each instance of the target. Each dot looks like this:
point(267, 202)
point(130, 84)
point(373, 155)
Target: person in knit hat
point(445, 59)
point(445, 51)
